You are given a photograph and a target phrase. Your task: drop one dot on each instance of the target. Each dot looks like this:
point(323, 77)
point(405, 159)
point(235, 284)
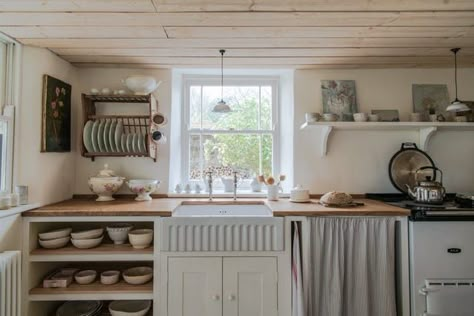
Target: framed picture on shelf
point(339, 97)
point(430, 98)
point(56, 116)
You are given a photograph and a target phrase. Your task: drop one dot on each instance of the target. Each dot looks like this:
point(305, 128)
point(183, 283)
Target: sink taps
point(209, 184)
point(235, 185)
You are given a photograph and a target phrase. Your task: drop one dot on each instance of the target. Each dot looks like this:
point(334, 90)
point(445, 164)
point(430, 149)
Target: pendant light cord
point(455, 51)
point(222, 51)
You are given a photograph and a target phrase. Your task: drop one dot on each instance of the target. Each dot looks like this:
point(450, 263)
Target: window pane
point(3, 67)
point(243, 102)
point(223, 154)
point(195, 106)
point(266, 120)
point(194, 158)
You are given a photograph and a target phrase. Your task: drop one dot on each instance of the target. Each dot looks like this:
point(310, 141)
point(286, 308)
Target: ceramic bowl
point(361, 117)
point(54, 243)
point(55, 234)
point(105, 187)
point(140, 238)
point(311, 117)
point(109, 277)
point(141, 85)
point(138, 275)
point(119, 232)
point(85, 276)
point(330, 117)
point(374, 118)
point(143, 188)
point(129, 308)
point(88, 234)
point(87, 243)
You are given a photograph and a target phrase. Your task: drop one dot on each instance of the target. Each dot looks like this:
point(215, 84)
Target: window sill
point(221, 194)
point(18, 210)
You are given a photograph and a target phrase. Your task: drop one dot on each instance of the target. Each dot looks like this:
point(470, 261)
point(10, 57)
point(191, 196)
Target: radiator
point(449, 297)
point(10, 280)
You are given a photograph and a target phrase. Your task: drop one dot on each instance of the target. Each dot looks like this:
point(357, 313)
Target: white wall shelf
point(426, 129)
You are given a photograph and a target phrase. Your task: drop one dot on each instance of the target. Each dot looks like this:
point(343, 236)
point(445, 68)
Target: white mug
point(273, 192)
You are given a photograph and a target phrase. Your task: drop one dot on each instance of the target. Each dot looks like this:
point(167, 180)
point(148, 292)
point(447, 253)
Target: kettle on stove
point(428, 191)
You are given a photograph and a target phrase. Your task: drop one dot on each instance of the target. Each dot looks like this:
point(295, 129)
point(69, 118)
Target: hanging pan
point(404, 164)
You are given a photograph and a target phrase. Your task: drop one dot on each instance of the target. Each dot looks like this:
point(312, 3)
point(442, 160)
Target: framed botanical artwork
point(339, 97)
point(430, 98)
point(56, 115)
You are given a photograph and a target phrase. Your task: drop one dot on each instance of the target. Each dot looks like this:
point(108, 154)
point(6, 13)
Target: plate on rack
point(144, 140)
point(118, 136)
point(112, 143)
point(100, 136)
point(86, 136)
point(135, 143)
point(139, 143)
point(106, 135)
point(129, 142)
point(95, 145)
point(123, 145)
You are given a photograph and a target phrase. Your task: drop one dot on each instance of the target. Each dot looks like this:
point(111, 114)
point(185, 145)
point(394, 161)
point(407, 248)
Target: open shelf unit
point(40, 262)
point(426, 129)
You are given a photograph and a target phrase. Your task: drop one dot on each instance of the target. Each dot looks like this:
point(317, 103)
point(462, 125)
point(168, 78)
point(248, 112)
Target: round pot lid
point(404, 164)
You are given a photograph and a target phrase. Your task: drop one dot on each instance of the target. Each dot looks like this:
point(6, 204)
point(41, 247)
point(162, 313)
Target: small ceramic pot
point(374, 118)
point(312, 117)
point(143, 188)
point(105, 91)
point(360, 117)
point(273, 192)
point(330, 117)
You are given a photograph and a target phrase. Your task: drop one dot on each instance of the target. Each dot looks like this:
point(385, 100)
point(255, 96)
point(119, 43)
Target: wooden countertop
point(165, 206)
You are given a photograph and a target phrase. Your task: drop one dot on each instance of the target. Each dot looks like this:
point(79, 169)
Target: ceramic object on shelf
point(299, 195)
point(374, 118)
point(330, 117)
point(79, 308)
point(87, 136)
point(118, 136)
point(138, 275)
point(87, 243)
point(54, 243)
point(178, 189)
point(141, 85)
point(159, 119)
point(94, 91)
point(105, 184)
point(93, 136)
point(143, 188)
point(187, 188)
point(109, 277)
point(122, 92)
point(105, 135)
point(129, 308)
point(273, 192)
point(111, 136)
point(140, 238)
point(312, 117)
point(118, 233)
point(100, 136)
point(55, 234)
point(197, 188)
point(255, 185)
point(88, 234)
point(105, 91)
point(360, 117)
point(85, 276)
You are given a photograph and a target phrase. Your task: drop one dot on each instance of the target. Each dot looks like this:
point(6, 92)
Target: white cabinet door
point(250, 286)
point(195, 286)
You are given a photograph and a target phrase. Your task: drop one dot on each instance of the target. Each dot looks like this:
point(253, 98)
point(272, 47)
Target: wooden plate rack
point(136, 124)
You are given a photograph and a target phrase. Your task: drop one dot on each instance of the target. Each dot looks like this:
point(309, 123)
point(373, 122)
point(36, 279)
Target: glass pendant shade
point(456, 105)
point(221, 106)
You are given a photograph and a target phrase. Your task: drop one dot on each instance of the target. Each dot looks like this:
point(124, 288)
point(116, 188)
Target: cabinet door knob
point(215, 297)
point(231, 297)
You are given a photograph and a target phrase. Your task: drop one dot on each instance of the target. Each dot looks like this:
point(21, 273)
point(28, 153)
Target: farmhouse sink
point(222, 209)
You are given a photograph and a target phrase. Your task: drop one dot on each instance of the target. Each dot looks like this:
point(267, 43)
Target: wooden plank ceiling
point(256, 33)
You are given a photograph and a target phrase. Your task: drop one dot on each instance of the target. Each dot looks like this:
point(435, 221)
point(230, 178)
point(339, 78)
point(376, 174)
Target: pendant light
point(456, 105)
point(221, 106)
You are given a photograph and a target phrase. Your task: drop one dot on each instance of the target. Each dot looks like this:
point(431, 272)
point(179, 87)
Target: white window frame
point(214, 80)
point(7, 108)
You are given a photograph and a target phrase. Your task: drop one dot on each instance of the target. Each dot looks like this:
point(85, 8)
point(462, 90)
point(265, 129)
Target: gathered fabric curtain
point(350, 268)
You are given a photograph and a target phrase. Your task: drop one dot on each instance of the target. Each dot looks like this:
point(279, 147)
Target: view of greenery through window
point(241, 140)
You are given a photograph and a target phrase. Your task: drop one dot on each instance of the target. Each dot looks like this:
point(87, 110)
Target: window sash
point(188, 132)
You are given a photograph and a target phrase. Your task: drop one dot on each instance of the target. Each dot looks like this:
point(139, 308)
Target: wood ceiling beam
point(77, 5)
point(430, 18)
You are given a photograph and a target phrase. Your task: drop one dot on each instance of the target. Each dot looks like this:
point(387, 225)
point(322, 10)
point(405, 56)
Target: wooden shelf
point(94, 291)
point(104, 252)
point(119, 98)
point(426, 129)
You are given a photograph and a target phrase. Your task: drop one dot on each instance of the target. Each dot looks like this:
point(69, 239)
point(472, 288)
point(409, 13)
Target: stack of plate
point(106, 136)
point(80, 308)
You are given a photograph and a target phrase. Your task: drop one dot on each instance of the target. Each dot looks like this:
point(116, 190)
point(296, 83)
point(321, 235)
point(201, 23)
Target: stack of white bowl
point(87, 238)
point(54, 239)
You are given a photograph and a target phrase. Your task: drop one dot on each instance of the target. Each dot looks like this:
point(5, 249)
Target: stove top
point(453, 209)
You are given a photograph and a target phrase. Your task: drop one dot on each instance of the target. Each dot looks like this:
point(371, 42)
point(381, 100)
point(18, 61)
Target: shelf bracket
point(325, 132)
point(425, 136)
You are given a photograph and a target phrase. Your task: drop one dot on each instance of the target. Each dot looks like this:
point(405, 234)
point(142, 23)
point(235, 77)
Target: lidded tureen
point(105, 184)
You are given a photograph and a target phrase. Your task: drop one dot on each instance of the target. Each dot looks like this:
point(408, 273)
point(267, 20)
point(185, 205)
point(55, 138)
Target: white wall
point(131, 168)
point(357, 161)
point(50, 176)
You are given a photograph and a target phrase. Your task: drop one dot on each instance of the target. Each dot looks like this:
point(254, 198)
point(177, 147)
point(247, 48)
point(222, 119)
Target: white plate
point(129, 143)
point(300, 201)
point(105, 136)
point(112, 143)
point(139, 143)
point(95, 129)
point(79, 308)
point(86, 136)
point(135, 143)
point(100, 136)
point(144, 142)
point(118, 136)
point(123, 146)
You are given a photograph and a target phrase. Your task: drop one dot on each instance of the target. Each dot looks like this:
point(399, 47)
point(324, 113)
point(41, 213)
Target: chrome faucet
point(235, 185)
point(209, 184)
